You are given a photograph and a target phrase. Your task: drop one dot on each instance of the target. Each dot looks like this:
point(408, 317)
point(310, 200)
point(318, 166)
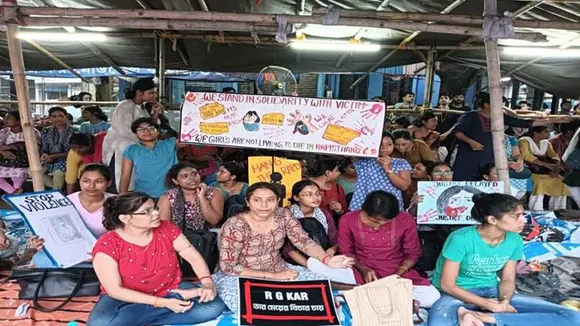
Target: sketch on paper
point(62, 230)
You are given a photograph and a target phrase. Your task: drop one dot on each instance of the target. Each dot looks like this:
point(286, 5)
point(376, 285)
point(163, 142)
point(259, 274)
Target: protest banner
point(316, 125)
point(449, 202)
point(52, 216)
point(260, 170)
point(294, 303)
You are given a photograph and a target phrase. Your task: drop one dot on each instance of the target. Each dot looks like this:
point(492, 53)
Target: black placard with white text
point(294, 303)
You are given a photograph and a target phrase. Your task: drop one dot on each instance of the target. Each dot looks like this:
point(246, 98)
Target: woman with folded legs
point(470, 263)
point(136, 263)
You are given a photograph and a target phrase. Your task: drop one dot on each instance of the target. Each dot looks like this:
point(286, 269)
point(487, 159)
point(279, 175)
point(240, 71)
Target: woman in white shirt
point(94, 180)
point(120, 135)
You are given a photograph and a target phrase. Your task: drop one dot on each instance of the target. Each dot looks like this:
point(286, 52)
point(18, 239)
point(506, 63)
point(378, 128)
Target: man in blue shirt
point(150, 159)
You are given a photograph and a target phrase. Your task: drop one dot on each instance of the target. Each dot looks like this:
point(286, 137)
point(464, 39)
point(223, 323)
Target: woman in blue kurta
point(475, 146)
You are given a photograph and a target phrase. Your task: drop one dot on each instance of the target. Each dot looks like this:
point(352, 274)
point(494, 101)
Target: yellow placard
point(211, 110)
point(260, 170)
point(340, 135)
point(214, 128)
point(276, 119)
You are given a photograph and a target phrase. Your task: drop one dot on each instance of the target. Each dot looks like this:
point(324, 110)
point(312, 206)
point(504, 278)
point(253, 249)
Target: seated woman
point(419, 174)
point(412, 150)
point(190, 204)
point(95, 121)
point(229, 180)
point(54, 148)
point(545, 166)
point(348, 177)
point(136, 263)
point(251, 243)
point(85, 149)
point(318, 223)
point(94, 180)
point(384, 242)
point(467, 272)
point(386, 173)
point(13, 158)
point(325, 173)
point(203, 158)
point(424, 129)
point(520, 175)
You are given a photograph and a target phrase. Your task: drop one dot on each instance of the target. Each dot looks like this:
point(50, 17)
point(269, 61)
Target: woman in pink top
point(384, 242)
point(94, 180)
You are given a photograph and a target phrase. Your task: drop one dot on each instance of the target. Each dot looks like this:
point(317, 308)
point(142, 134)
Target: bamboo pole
point(17, 62)
point(99, 53)
point(161, 71)
point(64, 103)
point(495, 92)
point(429, 78)
point(264, 25)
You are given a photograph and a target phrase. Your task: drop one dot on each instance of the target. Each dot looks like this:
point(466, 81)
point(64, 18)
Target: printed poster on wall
point(316, 125)
point(450, 202)
point(52, 216)
point(294, 303)
point(260, 170)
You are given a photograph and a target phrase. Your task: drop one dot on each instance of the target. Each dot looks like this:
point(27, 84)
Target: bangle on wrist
point(325, 259)
point(204, 277)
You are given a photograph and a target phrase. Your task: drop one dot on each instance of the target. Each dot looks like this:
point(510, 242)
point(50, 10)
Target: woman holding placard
point(94, 180)
point(251, 243)
point(470, 263)
point(136, 262)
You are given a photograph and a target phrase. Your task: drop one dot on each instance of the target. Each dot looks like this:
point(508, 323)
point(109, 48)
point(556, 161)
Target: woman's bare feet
point(468, 318)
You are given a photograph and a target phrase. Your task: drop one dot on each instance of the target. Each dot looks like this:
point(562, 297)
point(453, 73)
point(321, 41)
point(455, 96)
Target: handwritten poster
point(450, 202)
point(260, 170)
point(296, 303)
point(316, 125)
point(53, 217)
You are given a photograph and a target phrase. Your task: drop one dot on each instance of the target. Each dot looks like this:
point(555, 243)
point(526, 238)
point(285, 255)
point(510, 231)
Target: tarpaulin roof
point(554, 76)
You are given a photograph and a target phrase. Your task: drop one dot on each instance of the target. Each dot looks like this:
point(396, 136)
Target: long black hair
point(96, 111)
point(143, 84)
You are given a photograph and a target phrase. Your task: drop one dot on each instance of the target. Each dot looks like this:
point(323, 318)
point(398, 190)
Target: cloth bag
point(37, 283)
point(386, 302)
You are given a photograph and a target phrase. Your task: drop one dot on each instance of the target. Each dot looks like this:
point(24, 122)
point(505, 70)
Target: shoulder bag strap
point(74, 292)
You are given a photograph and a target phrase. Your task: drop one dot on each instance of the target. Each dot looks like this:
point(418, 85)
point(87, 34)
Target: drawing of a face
point(250, 117)
point(251, 121)
point(459, 204)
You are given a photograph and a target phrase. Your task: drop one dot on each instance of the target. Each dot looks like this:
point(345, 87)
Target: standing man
point(407, 101)
point(458, 103)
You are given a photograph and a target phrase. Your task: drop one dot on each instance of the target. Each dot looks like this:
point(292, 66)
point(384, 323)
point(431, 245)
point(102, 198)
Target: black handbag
point(38, 283)
point(206, 243)
point(20, 161)
point(315, 231)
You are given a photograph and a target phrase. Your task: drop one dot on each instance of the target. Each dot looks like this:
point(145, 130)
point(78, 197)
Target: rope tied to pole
point(331, 16)
point(497, 27)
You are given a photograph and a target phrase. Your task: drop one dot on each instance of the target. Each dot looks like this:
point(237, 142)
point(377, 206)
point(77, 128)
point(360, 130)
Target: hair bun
point(478, 197)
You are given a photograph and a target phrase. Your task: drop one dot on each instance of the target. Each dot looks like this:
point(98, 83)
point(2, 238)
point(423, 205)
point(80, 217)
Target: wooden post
point(161, 71)
point(17, 62)
point(515, 93)
point(495, 92)
point(429, 74)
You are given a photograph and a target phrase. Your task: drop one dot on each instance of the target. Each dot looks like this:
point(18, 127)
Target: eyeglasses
point(442, 173)
point(143, 129)
point(148, 211)
point(310, 194)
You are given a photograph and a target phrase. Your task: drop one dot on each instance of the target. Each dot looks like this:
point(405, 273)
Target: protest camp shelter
point(241, 36)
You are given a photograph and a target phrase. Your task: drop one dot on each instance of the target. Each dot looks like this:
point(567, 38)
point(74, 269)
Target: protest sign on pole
point(316, 125)
point(260, 170)
point(281, 303)
point(450, 202)
point(52, 216)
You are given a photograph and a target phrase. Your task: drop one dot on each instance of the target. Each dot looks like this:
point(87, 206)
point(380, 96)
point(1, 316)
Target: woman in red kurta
point(325, 174)
point(136, 263)
point(384, 242)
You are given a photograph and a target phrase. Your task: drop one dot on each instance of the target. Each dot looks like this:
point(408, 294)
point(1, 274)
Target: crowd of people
point(351, 221)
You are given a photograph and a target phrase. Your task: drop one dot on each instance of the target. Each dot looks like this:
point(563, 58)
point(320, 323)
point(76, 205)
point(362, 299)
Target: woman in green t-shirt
point(468, 268)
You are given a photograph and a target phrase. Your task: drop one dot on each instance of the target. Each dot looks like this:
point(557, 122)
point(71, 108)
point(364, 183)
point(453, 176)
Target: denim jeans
point(531, 311)
point(112, 312)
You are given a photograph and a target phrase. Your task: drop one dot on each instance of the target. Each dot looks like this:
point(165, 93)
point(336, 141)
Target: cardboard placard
point(316, 125)
point(294, 303)
point(260, 170)
point(449, 202)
